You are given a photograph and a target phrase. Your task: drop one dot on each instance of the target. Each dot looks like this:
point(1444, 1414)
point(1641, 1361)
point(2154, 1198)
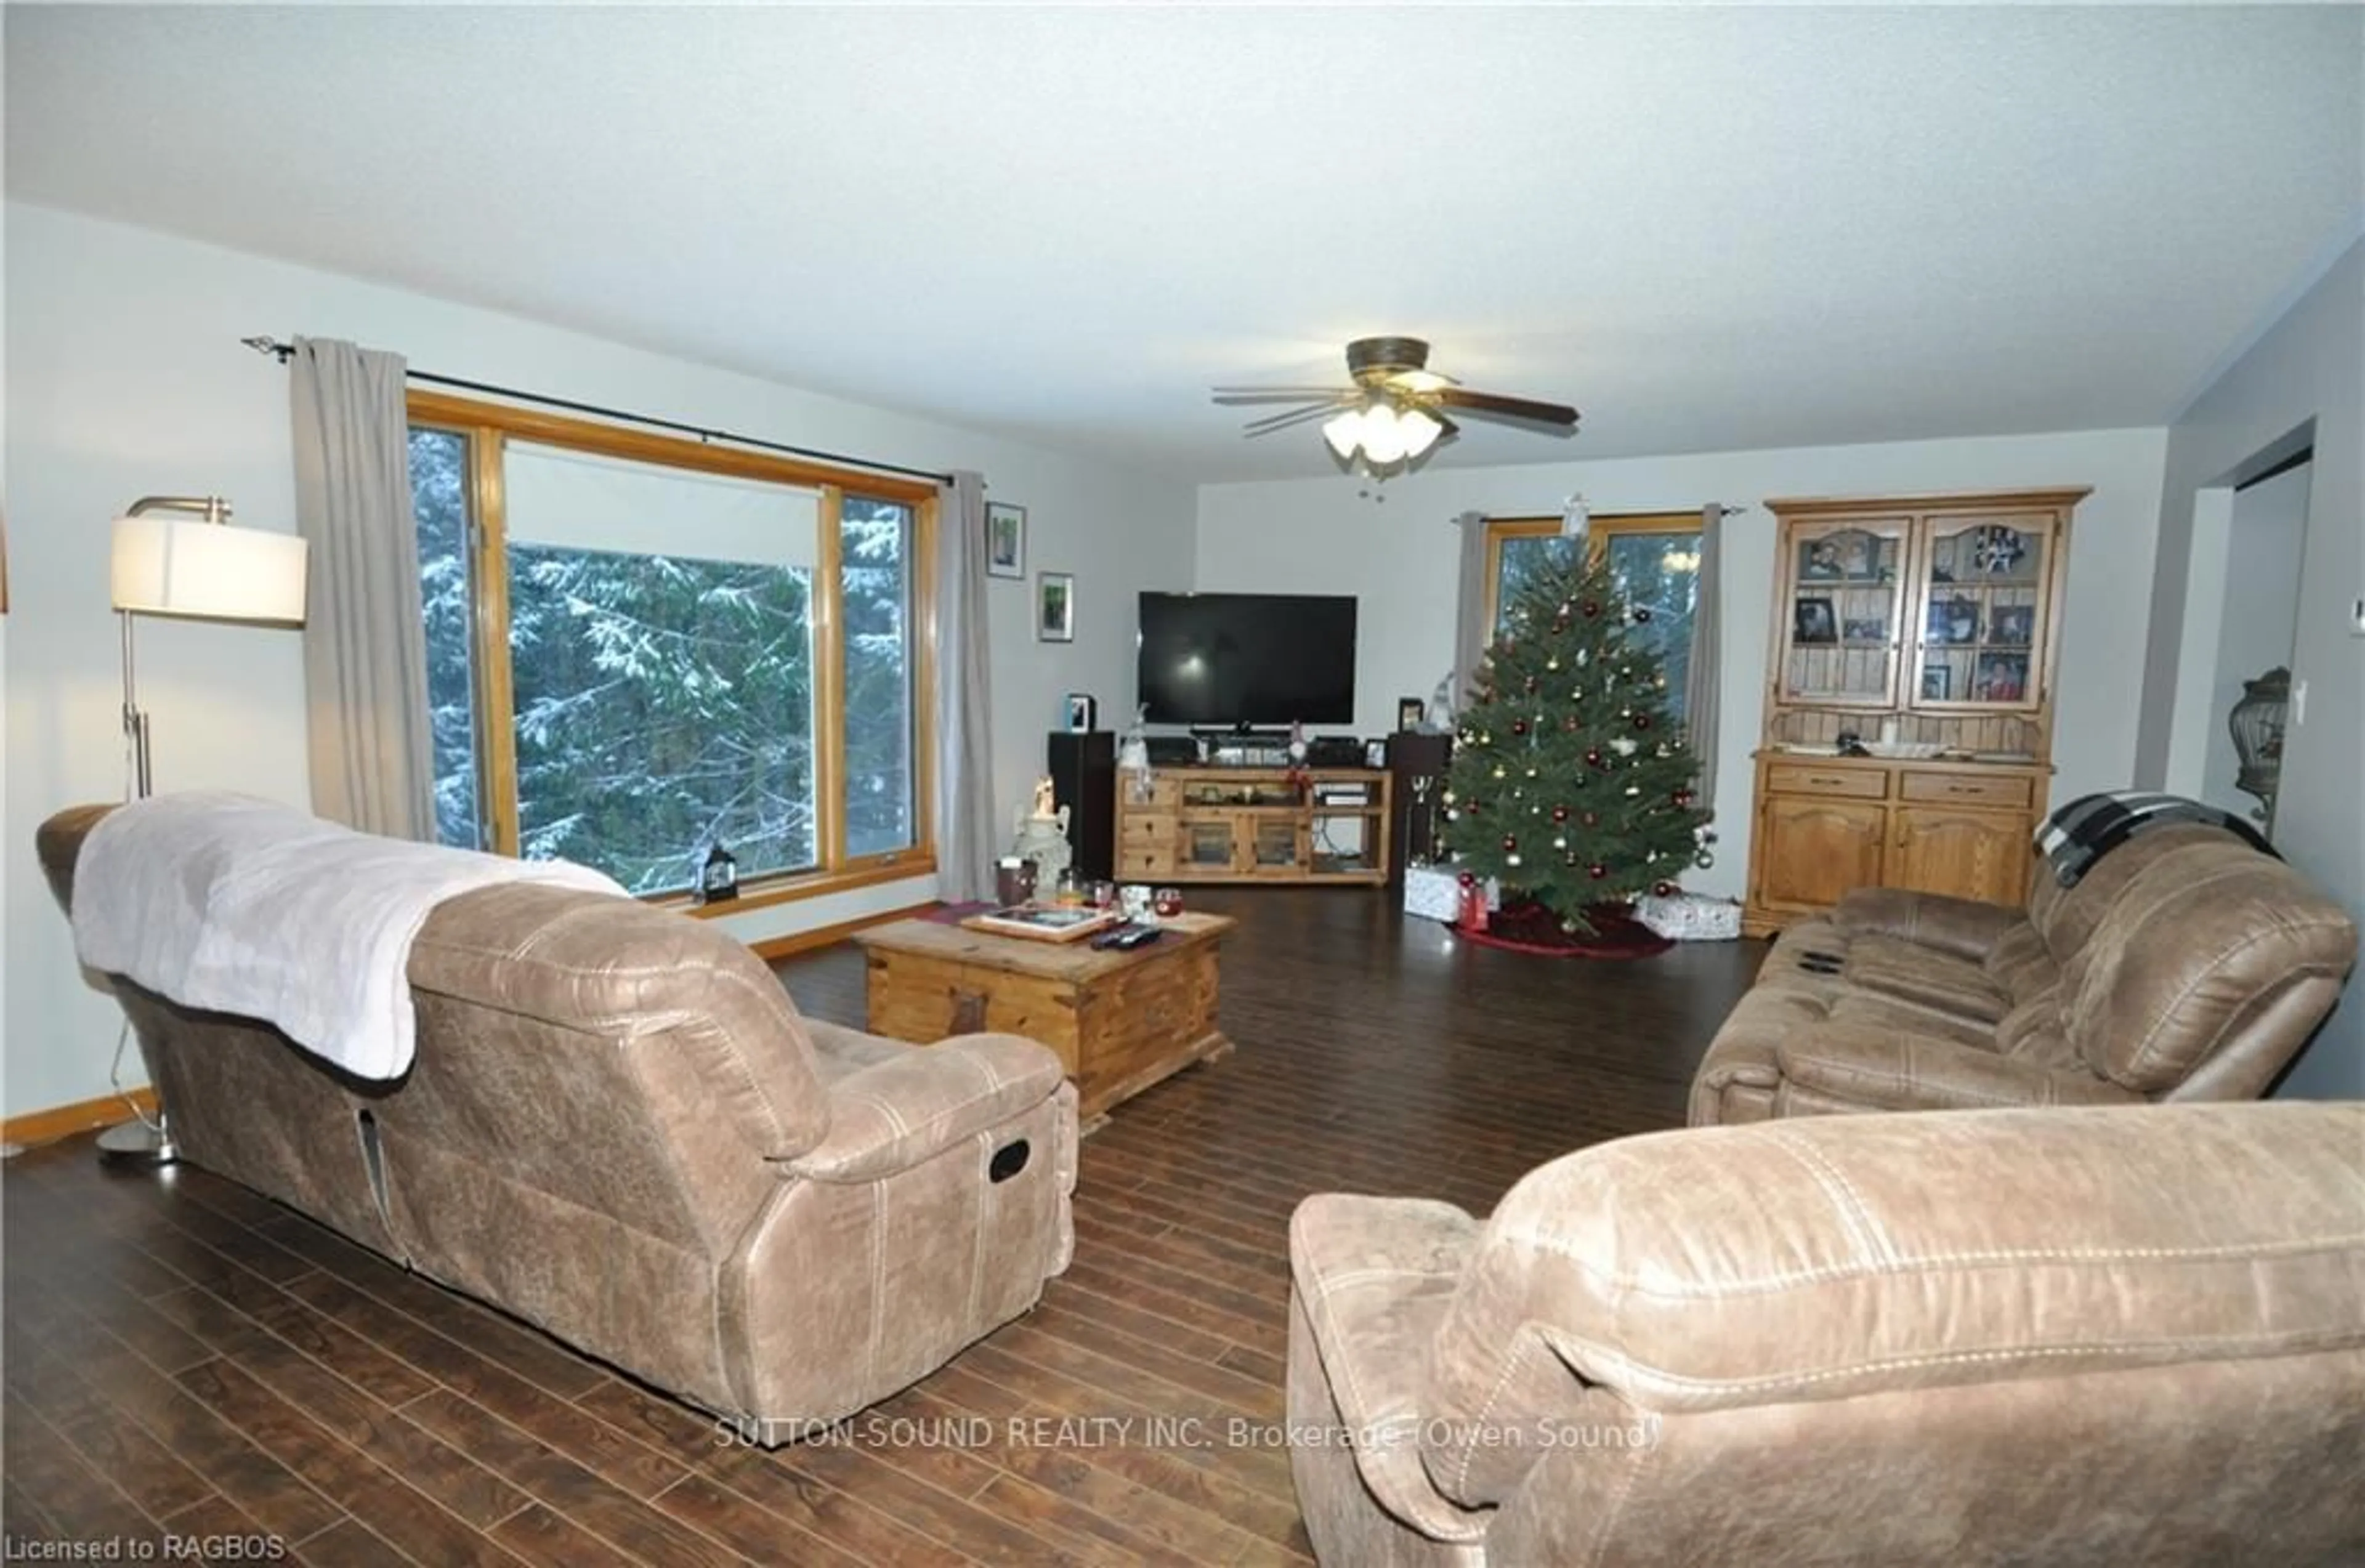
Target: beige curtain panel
point(1700, 684)
point(1470, 632)
point(364, 636)
point(964, 723)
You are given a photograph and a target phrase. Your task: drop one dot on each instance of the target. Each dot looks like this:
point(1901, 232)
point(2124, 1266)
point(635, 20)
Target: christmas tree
point(1572, 782)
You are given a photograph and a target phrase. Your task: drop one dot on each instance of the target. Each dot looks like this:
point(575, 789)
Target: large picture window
point(1654, 558)
point(639, 648)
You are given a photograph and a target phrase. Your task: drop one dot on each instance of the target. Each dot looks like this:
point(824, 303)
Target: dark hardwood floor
point(184, 1357)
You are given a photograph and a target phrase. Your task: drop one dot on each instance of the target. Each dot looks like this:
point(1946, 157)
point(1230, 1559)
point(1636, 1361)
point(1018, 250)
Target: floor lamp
point(190, 566)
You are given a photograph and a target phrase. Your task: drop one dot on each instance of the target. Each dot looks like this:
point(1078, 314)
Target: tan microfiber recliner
point(2184, 964)
point(2058, 1337)
point(618, 1127)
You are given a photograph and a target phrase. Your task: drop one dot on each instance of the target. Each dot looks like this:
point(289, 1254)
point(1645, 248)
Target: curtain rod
point(284, 351)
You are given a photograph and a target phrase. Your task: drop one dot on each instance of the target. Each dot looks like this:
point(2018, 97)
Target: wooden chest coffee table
point(1120, 1022)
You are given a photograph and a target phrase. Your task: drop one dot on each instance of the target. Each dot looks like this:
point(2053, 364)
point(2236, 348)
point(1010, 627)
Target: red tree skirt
point(1531, 928)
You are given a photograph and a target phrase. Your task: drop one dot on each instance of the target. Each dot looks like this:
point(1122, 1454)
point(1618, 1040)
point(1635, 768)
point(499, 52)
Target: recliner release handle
point(1007, 1161)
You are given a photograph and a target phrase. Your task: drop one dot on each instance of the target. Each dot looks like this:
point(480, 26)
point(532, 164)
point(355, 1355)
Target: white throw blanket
point(235, 905)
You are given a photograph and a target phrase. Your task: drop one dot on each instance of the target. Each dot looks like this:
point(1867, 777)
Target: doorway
point(2257, 626)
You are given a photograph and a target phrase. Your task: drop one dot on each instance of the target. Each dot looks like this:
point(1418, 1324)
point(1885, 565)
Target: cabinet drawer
point(1141, 832)
point(2015, 790)
point(1804, 778)
point(1146, 864)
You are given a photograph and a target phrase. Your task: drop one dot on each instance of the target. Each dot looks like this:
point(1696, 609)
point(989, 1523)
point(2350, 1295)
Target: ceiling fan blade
point(1273, 422)
point(1486, 404)
point(1277, 394)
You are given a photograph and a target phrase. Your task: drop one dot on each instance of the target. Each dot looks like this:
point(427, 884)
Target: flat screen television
point(1247, 658)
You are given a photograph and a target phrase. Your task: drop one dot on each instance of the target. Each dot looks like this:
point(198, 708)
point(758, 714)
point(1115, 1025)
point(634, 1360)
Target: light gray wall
point(2309, 365)
point(2259, 615)
point(128, 379)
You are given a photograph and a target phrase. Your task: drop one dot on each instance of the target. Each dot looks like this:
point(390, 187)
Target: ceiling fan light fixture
point(1420, 430)
point(1345, 433)
point(1383, 436)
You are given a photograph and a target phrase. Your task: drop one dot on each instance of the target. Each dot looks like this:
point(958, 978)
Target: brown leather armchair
point(2067, 1337)
point(2184, 964)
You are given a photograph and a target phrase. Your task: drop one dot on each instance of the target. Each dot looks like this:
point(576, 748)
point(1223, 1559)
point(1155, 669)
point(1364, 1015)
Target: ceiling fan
point(1395, 412)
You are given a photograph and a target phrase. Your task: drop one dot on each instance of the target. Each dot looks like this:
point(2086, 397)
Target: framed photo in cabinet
point(2000, 677)
point(2014, 625)
point(1812, 622)
point(1954, 620)
point(1863, 631)
point(1937, 683)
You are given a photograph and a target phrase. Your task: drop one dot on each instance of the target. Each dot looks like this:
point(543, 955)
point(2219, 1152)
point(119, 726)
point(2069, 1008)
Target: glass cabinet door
point(1845, 599)
point(1980, 644)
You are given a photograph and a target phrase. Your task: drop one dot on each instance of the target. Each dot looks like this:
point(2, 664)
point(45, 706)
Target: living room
point(146, 236)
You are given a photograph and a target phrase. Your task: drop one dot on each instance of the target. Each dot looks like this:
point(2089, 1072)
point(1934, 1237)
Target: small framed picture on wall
point(1005, 541)
point(1054, 607)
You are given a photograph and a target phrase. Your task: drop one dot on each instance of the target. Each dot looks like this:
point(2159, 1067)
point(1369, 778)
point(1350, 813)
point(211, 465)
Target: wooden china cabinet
point(1925, 630)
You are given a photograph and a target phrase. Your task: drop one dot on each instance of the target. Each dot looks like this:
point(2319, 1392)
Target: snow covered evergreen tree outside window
point(1571, 781)
point(665, 703)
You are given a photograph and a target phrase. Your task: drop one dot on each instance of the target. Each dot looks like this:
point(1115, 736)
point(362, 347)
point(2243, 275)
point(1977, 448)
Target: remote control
point(1126, 939)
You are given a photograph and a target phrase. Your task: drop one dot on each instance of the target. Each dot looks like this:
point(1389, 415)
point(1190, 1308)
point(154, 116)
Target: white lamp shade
point(1383, 436)
point(1420, 430)
point(207, 571)
point(1345, 433)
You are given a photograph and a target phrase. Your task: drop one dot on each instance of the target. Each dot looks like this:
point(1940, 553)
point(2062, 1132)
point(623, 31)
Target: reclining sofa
point(2059, 1337)
point(617, 1127)
point(2182, 965)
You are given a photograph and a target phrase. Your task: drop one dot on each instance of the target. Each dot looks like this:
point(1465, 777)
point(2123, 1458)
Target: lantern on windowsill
point(718, 875)
point(2257, 723)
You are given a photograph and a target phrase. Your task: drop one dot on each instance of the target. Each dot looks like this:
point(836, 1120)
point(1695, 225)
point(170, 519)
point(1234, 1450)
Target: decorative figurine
point(1042, 837)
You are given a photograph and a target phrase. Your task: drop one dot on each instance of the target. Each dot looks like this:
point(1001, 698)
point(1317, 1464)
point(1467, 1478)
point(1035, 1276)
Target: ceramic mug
point(1134, 899)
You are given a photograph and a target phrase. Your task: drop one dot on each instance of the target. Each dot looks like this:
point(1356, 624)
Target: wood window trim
point(792, 887)
point(488, 426)
point(1600, 532)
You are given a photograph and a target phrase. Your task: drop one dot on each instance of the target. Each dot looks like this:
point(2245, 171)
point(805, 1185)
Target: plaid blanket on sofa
point(2078, 834)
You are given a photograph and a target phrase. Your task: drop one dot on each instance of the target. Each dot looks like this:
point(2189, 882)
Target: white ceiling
point(1707, 229)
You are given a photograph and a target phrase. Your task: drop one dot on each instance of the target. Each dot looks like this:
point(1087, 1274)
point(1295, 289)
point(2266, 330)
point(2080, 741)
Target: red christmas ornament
point(1642, 721)
point(1519, 726)
point(1560, 813)
point(1510, 843)
point(1664, 889)
point(1596, 871)
point(1470, 808)
point(1590, 608)
point(1682, 796)
point(1569, 723)
point(1593, 756)
point(1467, 880)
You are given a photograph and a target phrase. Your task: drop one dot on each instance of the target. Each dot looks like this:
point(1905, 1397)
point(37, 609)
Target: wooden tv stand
point(1253, 824)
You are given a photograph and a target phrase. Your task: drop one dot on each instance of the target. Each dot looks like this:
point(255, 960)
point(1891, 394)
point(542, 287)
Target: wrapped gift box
point(1689, 917)
point(1434, 892)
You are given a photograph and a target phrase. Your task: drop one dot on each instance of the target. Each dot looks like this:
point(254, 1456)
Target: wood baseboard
point(64, 1121)
point(777, 947)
